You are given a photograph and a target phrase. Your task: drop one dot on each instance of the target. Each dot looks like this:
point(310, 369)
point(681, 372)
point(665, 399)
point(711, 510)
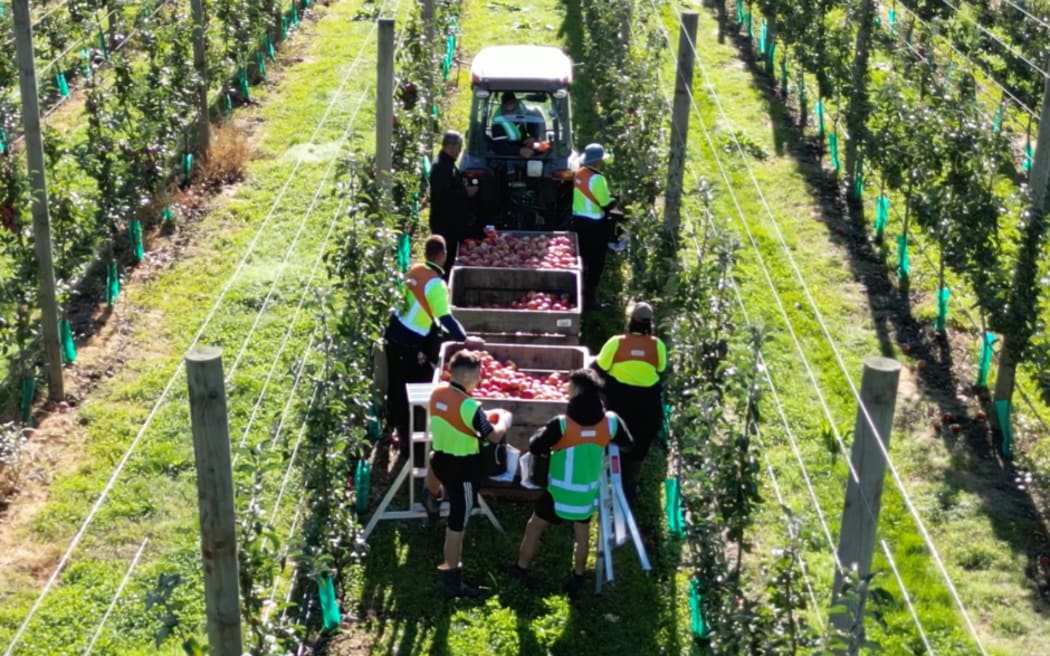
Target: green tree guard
point(1028, 154)
point(271, 52)
point(747, 25)
point(882, 215)
point(28, 394)
point(227, 103)
point(802, 88)
point(771, 49)
point(1002, 413)
point(295, 14)
point(63, 86)
point(858, 182)
point(739, 12)
point(833, 148)
point(112, 284)
point(424, 168)
point(136, 240)
point(242, 82)
point(168, 214)
point(819, 109)
point(329, 606)
point(3, 142)
point(362, 486)
point(783, 77)
point(696, 613)
point(984, 363)
point(893, 22)
point(404, 252)
point(941, 322)
point(664, 436)
point(187, 168)
point(102, 43)
point(997, 120)
point(763, 34)
point(284, 27)
point(903, 265)
point(673, 507)
point(373, 426)
point(85, 63)
point(69, 348)
point(260, 63)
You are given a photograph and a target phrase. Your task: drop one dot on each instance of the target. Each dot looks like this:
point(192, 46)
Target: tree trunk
point(857, 110)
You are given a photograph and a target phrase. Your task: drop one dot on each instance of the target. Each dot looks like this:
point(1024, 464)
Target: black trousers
point(641, 409)
point(403, 367)
point(461, 478)
point(594, 244)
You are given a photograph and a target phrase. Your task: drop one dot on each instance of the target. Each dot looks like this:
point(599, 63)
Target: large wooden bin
point(472, 288)
point(577, 265)
point(529, 414)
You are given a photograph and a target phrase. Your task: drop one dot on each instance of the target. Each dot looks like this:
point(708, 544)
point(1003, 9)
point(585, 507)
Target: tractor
point(524, 172)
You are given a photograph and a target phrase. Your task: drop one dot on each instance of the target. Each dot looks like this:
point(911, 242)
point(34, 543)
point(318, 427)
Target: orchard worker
point(451, 215)
point(632, 364)
point(591, 202)
point(576, 443)
point(413, 332)
point(457, 425)
point(516, 128)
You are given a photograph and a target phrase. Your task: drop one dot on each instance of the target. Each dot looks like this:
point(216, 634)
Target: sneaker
point(575, 585)
point(431, 504)
point(521, 576)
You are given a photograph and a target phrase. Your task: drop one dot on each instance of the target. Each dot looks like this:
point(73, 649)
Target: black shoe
point(521, 576)
point(575, 585)
point(452, 585)
point(432, 505)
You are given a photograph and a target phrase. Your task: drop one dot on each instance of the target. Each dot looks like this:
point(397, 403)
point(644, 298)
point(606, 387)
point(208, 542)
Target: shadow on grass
point(977, 467)
point(404, 612)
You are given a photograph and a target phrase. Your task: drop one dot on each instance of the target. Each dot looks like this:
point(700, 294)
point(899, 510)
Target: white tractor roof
point(521, 68)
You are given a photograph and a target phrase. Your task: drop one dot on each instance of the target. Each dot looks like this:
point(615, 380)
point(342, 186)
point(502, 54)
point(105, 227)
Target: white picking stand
point(418, 396)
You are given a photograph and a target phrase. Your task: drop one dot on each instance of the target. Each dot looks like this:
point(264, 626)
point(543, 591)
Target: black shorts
point(461, 478)
point(545, 510)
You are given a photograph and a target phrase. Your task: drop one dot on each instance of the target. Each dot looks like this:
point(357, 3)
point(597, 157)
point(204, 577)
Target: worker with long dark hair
point(632, 364)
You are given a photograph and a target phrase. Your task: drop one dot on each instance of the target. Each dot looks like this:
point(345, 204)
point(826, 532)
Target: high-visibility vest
point(510, 127)
point(576, 466)
point(636, 360)
point(418, 315)
point(452, 421)
point(586, 198)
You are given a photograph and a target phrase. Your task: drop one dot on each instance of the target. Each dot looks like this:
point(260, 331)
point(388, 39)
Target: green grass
point(968, 533)
point(155, 495)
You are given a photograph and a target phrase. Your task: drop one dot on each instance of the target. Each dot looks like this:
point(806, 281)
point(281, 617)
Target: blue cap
point(593, 153)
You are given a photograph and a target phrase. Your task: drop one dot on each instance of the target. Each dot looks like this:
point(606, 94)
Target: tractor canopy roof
point(521, 68)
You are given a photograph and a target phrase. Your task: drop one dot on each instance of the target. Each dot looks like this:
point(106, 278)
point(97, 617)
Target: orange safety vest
point(576, 434)
point(581, 182)
point(639, 348)
point(416, 280)
point(446, 403)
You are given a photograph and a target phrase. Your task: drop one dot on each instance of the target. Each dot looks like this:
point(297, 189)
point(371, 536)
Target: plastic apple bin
point(529, 414)
point(577, 264)
point(473, 288)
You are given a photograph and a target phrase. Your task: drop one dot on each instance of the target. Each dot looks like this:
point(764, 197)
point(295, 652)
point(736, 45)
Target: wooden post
point(1025, 289)
point(385, 103)
point(683, 87)
point(211, 446)
point(431, 48)
point(34, 146)
point(201, 68)
point(878, 397)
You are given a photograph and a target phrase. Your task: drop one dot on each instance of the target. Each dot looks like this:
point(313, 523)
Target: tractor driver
point(517, 128)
